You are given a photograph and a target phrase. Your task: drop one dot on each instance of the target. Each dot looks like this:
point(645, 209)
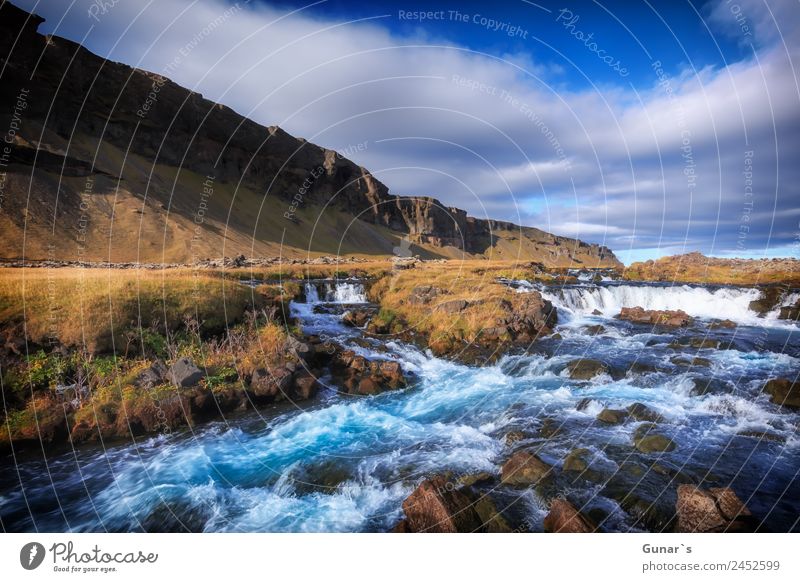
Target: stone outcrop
point(783, 392)
point(357, 375)
point(524, 469)
point(665, 317)
point(586, 369)
point(563, 517)
point(714, 510)
point(442, 505)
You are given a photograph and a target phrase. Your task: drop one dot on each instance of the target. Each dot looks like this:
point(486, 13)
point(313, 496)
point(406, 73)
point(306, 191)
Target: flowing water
point(346, 463)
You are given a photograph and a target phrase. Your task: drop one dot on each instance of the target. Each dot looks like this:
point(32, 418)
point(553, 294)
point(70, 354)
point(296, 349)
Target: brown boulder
point(305, 385)
point(523, 469)
point(356, 318)
point(665, 317)
point(609, 416)
point(565, 518)
point(436, 506)
point(586, 369)
point(783, 392)
point(271, 385)
point(715, 510)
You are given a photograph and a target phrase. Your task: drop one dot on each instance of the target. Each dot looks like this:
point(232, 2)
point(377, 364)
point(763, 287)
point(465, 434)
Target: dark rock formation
point(184, 373)
point(523, 469)
point(783, 392)
point(586, 369)
point(715, 510)
point(655, 317)
point(563, 517)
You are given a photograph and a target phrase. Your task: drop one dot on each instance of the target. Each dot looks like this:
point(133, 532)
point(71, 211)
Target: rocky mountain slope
point(108, 162)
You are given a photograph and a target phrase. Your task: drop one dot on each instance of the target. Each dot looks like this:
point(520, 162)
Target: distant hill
point(697, 268)
point(114, 163)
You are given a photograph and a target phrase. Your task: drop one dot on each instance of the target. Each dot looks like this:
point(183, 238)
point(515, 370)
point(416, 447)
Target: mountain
point(109, 162)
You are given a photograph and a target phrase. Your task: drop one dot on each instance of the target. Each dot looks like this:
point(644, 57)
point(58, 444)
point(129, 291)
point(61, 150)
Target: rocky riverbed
point(642, 408)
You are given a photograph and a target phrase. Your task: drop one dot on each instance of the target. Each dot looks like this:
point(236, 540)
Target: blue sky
point(653, 128)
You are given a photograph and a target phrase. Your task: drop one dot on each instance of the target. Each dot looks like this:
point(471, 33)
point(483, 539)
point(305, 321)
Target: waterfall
point(346, 292)
point(721, 303)
point(312, 294)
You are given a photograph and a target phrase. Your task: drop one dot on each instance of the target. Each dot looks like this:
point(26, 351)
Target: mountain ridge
point(116, 163)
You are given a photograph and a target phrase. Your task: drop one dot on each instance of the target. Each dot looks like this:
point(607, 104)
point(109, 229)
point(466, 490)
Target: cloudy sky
point(653, 128)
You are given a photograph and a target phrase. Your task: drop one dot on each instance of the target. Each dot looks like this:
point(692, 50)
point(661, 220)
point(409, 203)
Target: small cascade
point(344, 292)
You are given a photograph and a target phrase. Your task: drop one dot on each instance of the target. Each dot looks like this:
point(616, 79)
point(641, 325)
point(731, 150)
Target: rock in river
point(783, 392)
point(715, 510)
point(664, 317)
point(586, 369)
point(523, 469)
point(565, 518)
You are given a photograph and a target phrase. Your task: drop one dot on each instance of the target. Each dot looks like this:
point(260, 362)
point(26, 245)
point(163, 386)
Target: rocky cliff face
point(88, 123)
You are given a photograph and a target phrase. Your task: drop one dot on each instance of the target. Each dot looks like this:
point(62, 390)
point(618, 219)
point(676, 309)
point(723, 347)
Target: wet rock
point(770, 297)
point(356, 317)
point(639, 411)
point(783, 392)
point(576, 460)
point(530, 316)
point(665, 317)
point(609, 416)
point(583, 403)
point(153, 376)
point(715, 510)
point(654, 443)
point(271, 385)
point(184, 373)
point(594, 329)
point(640, 368)
point(722, 324)
point(586, 369)
point(303, 350)
point(524, 469)
point(703, 386)
point(491, 519)
point(691, 362)
point(550, 428)
point(436, 506)
point(357, 375)
point(704, 343)
point(597, 312)
point(563, 517)
point(305, 385)
point(453, 306)
point(790, 312)
point(471, 479)
point(513, 437)
point(761, 435)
